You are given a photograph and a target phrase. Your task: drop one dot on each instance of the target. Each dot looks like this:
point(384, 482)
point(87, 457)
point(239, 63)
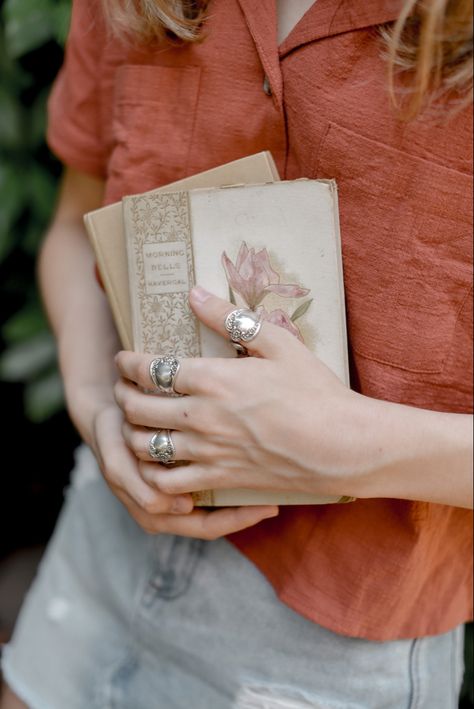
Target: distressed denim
point(117, 619)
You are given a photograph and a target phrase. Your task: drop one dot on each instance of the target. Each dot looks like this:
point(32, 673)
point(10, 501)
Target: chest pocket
point(153, 117)
point(407, 250)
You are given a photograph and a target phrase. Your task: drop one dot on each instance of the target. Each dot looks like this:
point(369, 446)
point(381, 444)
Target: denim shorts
point(118, 619)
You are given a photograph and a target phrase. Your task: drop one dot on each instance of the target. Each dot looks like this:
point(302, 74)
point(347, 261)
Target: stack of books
point(241, 233)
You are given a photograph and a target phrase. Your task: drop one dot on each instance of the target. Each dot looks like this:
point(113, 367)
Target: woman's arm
point(417, 454)
point(76, 306)
point(283, 421)
point(87, 342)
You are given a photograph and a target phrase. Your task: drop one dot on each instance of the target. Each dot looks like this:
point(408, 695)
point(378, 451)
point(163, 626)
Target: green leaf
point(26, 323)
point(41, 187)
point(32, 235)
point(13, 201)
point(44, 397)
point(299, 312)
point(36, 118)
point(62, 20)
point(10, 123)
point(25, 360)
point(232, 296)
point(28, 25)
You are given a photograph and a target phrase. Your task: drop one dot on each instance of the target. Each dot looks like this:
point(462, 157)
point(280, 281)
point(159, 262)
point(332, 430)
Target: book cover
point(221, 238)
point(106, 233)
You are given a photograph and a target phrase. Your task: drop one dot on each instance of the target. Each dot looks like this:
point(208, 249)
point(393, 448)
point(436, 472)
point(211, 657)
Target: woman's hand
point(153, 510)
point(281, 420)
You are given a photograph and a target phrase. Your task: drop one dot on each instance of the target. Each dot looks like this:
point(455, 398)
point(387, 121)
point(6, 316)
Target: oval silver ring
point(243, 326)
point(163, 371)
point(161, 447)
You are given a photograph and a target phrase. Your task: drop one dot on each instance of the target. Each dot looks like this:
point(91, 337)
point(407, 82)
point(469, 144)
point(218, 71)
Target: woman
point(357, 605)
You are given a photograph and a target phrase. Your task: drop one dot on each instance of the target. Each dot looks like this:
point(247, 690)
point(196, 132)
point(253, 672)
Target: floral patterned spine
point(163, 320)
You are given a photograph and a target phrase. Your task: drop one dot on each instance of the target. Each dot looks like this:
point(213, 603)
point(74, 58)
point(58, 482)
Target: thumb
point(270, 342)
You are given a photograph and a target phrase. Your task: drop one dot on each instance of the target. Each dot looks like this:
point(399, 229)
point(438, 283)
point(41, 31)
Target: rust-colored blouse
point(379, 568)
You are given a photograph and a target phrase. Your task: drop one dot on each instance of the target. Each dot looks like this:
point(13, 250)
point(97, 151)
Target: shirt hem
point(355, 628)
point(76, 159)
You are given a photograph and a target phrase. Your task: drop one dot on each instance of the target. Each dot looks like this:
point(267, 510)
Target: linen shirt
point(140, 117)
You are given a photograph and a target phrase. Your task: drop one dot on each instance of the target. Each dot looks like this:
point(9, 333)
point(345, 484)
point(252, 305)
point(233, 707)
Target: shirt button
point(266, 86)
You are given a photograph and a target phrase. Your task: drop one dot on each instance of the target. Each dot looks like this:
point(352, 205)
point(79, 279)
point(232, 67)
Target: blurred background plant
point(34, 422)
point(33, 33)
point(32, 37)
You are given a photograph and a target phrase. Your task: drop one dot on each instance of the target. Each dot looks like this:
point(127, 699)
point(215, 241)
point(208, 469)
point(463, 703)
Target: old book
point(274, 247)
point(105, 229)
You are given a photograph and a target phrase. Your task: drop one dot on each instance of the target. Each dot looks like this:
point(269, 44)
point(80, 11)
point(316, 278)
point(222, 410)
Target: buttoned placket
point(323, 19)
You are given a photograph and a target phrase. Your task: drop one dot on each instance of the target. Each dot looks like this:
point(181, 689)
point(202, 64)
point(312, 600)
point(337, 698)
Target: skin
point(87, 344)
point(276, 420)
point(247, 423)
point(244, 422)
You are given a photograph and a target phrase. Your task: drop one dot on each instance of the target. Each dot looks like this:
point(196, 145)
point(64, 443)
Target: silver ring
point(163, 371)
point(242, 325)
point(161, 447)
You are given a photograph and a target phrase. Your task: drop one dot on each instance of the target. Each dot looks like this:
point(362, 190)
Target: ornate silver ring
point(163, 371)
point(242, 325)
point(161, 447)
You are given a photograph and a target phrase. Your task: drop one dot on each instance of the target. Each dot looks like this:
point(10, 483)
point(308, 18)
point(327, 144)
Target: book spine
point(108, 284)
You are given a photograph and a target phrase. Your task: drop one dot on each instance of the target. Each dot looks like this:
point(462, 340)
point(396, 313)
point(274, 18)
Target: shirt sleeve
point(74, 131)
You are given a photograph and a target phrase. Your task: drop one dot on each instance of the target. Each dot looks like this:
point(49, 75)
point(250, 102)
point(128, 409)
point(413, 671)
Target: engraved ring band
point(242, 325)
point(161, 447)
point(163, 371)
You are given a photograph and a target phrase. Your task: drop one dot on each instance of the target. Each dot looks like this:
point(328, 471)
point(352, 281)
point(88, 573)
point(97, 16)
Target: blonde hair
point(156, 20)
point(429, 47)
point(430, 54)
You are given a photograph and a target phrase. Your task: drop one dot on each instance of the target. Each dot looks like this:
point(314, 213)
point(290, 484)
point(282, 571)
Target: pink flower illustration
point(280, 318)
point(252, 277)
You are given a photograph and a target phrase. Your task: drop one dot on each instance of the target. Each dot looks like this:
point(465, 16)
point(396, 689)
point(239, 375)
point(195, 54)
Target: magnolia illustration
point(282, 319)
point(253, 278)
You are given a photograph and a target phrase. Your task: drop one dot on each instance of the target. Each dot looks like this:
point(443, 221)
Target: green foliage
point(31, 23)
point(32, 33)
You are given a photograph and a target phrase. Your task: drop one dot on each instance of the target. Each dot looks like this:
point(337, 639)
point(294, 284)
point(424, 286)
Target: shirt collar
point(325, 18)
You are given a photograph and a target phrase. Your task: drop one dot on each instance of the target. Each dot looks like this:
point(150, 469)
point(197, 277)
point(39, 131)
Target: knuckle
point(211, 536)
point(129, 406)
point(167, 485)
point(149, 505)
point(148, 527)
point(202, 421)
point(136, 441)
point(111, 469)
point(143, 373)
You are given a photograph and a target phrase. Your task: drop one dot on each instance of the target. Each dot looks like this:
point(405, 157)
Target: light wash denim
point(120, 620)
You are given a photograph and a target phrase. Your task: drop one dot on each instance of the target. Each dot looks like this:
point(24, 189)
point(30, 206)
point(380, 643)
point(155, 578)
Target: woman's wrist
point(85, 403)
point(415, 454)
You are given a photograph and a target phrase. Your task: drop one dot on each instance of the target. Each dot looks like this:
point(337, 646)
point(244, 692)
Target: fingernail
point(181, 505)
point(199, 295)
point(274, 513)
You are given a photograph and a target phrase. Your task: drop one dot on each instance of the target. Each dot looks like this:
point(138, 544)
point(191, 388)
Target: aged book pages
point(105, 230)
point(288, 231)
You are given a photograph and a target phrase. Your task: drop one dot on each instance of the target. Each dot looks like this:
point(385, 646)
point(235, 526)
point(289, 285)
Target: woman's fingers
point(196, 376)
point(149, 410)
point(193, 376)
point(202, 524)
point(138, 439)
point(270, 342)
point(121, 471)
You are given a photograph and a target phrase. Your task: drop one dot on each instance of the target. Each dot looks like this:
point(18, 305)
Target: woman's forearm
point(78, 313)
point(419, 455)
